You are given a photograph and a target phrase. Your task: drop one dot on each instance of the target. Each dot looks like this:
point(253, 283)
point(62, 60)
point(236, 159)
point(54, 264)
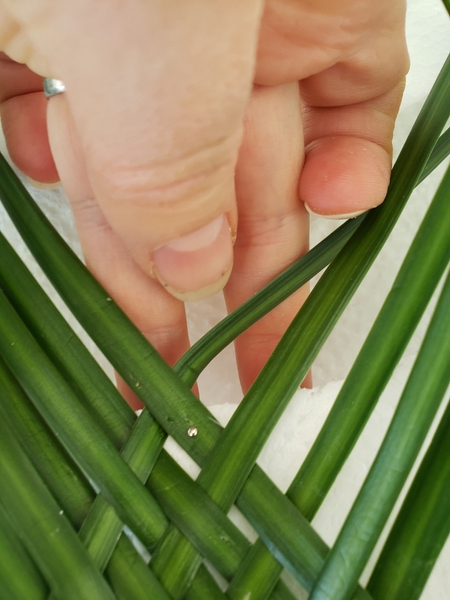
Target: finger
point(159, 316)
point(25, 128)
point(158, 112)
point(348, 155)
point(351, 60)
point(23, 113)
point(301, 39)
point(16, 79)
point(273, 224)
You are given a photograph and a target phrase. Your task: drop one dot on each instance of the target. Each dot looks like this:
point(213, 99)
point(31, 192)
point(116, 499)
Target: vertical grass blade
point(421, 528)
point(418, 406)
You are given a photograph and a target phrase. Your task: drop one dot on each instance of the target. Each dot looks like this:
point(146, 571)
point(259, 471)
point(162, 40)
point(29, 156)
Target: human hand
point(178, 122)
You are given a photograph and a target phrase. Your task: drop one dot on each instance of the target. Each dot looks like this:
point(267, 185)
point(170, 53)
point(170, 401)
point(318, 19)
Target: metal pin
point(192, 431)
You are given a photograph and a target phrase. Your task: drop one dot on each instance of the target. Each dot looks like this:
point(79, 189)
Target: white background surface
point(428, 29)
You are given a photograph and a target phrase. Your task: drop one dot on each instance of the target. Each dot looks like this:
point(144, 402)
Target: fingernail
point(197, 265)
point(43, 186)
point(350, 215)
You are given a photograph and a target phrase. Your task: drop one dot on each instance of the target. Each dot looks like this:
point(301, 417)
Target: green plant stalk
point(200, 519)
point(201, 588)
point(92, 385)
point(19, 576)
point(309, 534)
point(421, 528)
point(109, 527)
point(102, 527)
point(284, 285)
point(258, 572)
point(129, 576)
point(184, 563)
point(413, 417)
point(47, 533)
point(82, 437)
point(439, 154)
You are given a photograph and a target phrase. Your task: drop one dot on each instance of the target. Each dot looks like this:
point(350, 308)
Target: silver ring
point(53, 87)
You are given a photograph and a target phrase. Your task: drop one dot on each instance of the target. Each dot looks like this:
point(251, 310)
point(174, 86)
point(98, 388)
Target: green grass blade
point(201, 521)
point(421, 528)
point(420, 273)
point(47, 533)
point(19, 576)
point(258, 572)
point(102, 527)
point(418, 406)
point(204, 588)
point(82, 437)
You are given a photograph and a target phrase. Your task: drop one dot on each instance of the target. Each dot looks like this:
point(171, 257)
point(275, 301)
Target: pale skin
point(192, 132)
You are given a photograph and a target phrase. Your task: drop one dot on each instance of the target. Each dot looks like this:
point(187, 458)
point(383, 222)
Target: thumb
point(157, 93)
